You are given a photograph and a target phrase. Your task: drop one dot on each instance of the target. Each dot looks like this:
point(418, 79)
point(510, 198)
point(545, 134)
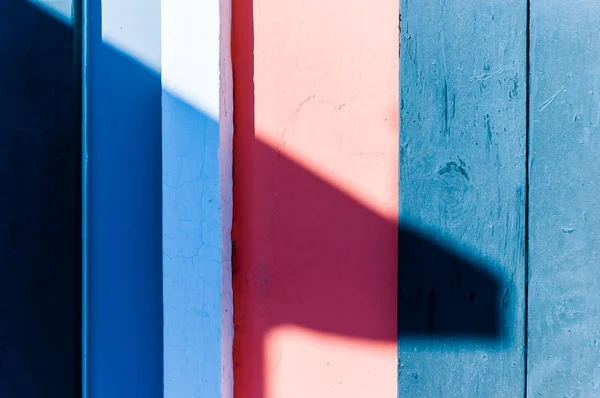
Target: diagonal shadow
point(443, 295)
point(306, 253)
point(322, 260)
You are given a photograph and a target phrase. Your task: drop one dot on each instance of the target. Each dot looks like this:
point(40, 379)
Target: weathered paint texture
point(462, 199)
point(39, 204)
point(564, 305)
point(315, 198)
point(197, 204)
point(124, 225)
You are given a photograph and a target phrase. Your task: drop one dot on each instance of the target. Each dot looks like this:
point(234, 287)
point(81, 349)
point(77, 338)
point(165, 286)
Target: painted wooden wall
point(498, 243)
point(497, 232)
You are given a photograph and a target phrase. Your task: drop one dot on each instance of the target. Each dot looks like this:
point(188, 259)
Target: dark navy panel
point(124, 213)
point(564, 240)
point(462, 198)
point(39, 204)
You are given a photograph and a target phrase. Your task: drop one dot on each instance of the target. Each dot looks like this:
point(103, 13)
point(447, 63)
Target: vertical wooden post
point(462, 198)
point(564, 304)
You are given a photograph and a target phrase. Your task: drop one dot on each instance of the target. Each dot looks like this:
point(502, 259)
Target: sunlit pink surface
point(315, 198)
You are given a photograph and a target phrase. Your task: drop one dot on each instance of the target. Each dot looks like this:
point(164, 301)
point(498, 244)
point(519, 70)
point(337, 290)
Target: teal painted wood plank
point(564, 241)
point(462, 199)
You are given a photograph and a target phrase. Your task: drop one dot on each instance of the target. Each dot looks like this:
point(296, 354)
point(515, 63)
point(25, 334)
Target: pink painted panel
point(315, 198)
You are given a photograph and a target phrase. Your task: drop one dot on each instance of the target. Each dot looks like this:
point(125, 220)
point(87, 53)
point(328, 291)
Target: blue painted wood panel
point(39, 204)
point(564, 240)
point(462, 198)
point(123, 188)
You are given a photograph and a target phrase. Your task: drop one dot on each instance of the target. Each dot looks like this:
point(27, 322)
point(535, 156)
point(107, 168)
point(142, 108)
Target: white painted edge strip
point(226, 164)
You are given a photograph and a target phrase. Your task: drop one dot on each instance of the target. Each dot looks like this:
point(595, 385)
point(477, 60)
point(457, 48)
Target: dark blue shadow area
point(444, 295)
point(40, 237)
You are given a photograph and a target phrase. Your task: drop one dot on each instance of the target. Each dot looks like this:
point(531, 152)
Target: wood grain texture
point(564, 298)
point(462, 199)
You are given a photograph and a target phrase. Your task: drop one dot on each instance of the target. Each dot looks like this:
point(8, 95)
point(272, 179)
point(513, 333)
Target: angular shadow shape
point(307, 254)
point(441, 294)
point(330, 255)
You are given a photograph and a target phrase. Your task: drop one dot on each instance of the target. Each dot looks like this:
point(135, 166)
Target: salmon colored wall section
point(315, 198)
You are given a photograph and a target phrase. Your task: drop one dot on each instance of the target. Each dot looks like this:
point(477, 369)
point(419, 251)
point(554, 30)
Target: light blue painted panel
point(196, 201)
point(192, 263)
point(462, 199)
point(564, 240)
